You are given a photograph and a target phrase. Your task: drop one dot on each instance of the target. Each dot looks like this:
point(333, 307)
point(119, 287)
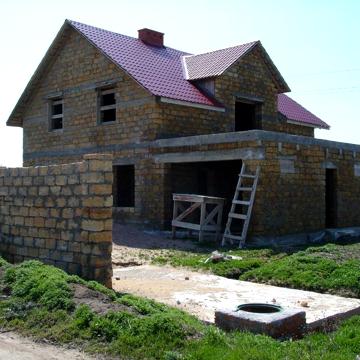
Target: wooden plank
point(238, 216)
point(241, 202)
point(248, 176)
point(188, 198)
point(218, 223)
point(211, 215)
point(185, 225)
point(202, 221)
point(188, 211)
point(233, 237)
point(198, 198)
point(175, 208)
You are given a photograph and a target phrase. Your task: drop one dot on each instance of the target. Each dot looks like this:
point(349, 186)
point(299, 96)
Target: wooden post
point(202, 220)
point(174, 217)
point(218, 223)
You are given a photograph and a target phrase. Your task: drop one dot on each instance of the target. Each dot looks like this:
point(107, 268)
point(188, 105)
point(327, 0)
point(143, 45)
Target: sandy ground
point(203, 294)
point(15, 347)
point(132, 246)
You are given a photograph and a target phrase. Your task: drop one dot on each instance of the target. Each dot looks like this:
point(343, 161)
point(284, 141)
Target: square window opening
point(56, 124)
point(108, 115)
point(108, 99)
point(124, 185)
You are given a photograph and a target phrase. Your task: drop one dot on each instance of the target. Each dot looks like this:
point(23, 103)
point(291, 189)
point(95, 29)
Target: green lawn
point(38, 300)
point(331, 268)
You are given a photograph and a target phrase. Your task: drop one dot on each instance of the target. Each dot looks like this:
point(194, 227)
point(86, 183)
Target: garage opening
point(245, 116)
point(331, 198)
point(124, 185)
point(211, 178)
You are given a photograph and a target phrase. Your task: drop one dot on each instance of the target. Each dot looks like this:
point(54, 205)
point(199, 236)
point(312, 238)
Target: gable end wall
point(77, 70)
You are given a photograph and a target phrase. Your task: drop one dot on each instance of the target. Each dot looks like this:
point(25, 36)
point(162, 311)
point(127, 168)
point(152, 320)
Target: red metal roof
point(295, 112)
point(158, 69)
point(214, 63)
point(166, 72)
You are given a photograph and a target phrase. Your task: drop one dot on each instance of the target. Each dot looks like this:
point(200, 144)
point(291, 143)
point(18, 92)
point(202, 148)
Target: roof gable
point(215, 63)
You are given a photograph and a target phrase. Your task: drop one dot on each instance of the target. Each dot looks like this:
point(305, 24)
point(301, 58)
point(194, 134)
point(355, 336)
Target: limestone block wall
point(61, 215)
point(291, 193)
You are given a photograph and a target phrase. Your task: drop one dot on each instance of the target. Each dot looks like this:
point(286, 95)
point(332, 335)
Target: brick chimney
point(151, 37)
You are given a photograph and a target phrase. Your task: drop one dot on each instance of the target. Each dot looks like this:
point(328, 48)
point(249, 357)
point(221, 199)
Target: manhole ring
point(259, 308)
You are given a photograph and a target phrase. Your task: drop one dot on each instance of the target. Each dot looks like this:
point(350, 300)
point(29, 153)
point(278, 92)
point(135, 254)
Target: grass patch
point(313, 273)
point(331, 268)
point(38, 300)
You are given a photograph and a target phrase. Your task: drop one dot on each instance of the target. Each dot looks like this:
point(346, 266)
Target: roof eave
point(191, 104)
point(301, 123)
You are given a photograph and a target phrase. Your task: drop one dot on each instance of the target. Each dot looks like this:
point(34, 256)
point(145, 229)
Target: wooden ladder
point(240, 188)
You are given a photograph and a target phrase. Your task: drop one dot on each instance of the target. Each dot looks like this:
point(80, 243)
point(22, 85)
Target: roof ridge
point(98, 28)
point(117, 33)
point(227, 48)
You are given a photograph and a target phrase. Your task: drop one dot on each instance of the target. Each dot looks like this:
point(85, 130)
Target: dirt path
point(16, 347)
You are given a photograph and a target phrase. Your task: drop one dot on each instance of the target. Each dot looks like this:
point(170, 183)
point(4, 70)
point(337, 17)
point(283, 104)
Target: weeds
point(330, 268)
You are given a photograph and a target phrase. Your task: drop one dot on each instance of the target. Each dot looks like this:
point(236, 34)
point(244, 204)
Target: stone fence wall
point(61, 215)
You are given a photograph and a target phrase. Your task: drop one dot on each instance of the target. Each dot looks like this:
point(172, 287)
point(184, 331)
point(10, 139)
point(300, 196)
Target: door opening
point(331, 198)
point(245, 116)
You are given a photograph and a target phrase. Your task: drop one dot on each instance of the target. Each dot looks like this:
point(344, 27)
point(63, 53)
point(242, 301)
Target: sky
point(314, 44)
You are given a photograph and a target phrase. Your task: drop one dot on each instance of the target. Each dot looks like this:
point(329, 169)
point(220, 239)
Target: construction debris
point(216, 256)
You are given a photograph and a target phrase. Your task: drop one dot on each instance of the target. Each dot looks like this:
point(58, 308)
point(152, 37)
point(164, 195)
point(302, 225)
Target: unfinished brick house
point(183, 123)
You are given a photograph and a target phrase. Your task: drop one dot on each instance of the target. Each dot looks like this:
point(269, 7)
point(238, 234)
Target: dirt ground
point(202, 294)
point(16, 347)
point(132, 247)
point(199, 293)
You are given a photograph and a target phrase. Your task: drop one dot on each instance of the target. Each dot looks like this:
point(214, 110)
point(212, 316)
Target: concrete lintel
point(287, 157)
point(221, 155)
point(250, 98)
point(221, 138)
point(252, 135)
point(125, 161)
point(328, 165)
